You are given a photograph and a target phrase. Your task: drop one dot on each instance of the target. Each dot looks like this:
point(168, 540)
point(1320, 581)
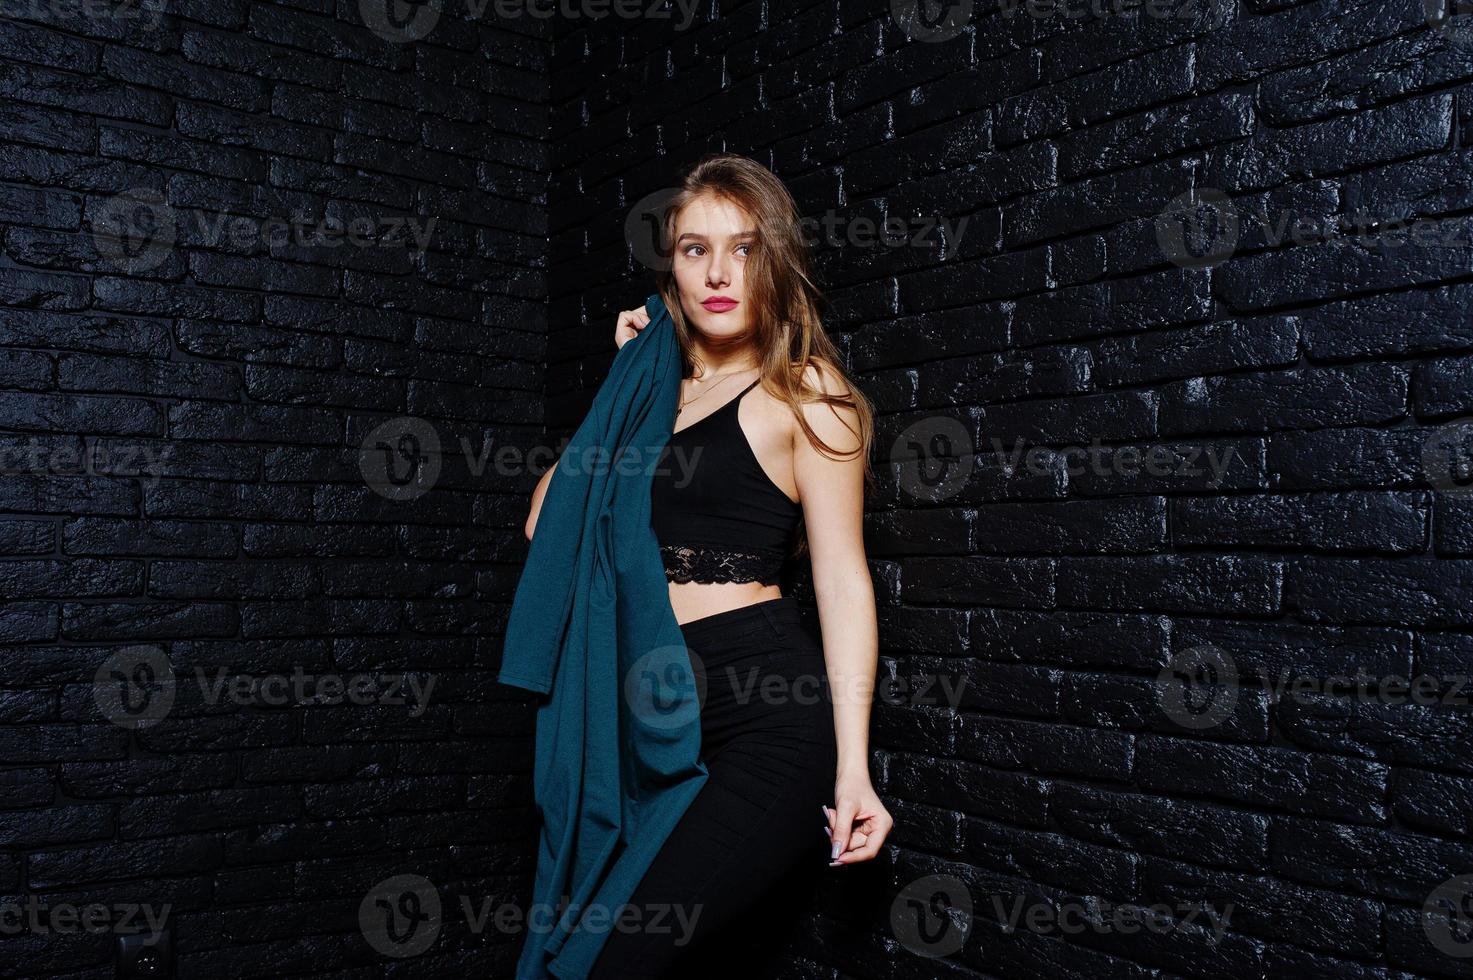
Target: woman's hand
point(630, 323)
point(860, 824)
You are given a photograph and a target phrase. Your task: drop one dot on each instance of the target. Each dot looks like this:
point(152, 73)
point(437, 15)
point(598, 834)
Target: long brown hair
point(787, 329)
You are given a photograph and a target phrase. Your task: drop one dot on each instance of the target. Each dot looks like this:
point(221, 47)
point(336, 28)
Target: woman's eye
point(745, 250)
point(693, 250)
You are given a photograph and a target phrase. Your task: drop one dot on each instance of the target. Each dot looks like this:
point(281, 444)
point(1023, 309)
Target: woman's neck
point(724, 359)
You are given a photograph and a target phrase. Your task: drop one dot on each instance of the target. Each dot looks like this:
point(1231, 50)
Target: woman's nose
point(716, 273)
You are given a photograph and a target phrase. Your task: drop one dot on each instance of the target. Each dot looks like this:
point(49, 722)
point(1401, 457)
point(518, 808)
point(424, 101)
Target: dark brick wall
point(231, 383)
point(1301, 370)
point(1085, 304)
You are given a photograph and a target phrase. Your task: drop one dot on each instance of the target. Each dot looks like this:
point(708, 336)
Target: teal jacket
point(618, 738)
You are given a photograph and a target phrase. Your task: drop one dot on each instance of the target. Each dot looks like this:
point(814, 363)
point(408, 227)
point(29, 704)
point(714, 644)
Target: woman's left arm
point(832, 492)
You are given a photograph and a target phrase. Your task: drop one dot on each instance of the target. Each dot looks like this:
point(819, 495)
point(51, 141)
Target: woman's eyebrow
point(700, 237)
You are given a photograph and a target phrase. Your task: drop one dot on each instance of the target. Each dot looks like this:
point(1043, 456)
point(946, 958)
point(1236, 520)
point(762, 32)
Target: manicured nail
point(834, 851)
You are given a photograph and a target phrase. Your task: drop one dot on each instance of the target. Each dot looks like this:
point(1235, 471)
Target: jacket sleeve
point(542, 606)
point(560, 557)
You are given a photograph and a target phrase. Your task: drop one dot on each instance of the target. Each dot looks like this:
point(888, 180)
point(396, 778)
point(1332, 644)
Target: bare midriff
point(692, 600)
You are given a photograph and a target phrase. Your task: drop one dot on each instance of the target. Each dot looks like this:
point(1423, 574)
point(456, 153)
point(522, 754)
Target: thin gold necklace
point(708, 391)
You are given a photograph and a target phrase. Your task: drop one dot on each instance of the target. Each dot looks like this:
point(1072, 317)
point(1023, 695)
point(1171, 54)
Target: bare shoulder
point(823, 376)
point(836, 424)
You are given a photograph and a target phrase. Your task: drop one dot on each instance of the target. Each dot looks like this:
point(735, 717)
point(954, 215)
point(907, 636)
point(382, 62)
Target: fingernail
point(834, 851)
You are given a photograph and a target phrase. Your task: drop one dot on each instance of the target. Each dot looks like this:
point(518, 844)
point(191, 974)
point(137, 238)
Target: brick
point(1415, 591)
point(1322, 785)
point(1133, 524)
point(1172, 583)
point(1160, 355)
point(1443, 386)
point(1345, 521)
point(1296, 398)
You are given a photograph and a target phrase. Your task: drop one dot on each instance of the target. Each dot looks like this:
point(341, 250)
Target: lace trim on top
point(707, 565)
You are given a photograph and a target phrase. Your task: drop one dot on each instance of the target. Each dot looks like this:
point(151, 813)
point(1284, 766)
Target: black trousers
point(726, 888)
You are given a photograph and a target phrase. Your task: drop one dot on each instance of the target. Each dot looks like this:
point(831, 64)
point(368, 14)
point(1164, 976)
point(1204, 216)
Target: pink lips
point(720, 304)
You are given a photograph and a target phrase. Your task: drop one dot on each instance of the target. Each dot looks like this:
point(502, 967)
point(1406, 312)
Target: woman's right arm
point(537, 496)
point(630, 322)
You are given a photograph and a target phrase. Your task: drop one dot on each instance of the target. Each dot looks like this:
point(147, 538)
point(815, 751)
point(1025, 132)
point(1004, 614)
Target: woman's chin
point(719, 327)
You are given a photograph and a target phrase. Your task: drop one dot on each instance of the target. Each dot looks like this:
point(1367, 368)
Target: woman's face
point(712, 240)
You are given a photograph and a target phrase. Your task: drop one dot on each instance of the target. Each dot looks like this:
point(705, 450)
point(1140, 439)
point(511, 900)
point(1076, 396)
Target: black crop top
point(716, 513)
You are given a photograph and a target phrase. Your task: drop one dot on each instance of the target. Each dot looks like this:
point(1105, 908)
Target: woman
point(770, 446)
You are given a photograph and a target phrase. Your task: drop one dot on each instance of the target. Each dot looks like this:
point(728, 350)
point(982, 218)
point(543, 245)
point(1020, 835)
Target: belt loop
point(772, 619)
